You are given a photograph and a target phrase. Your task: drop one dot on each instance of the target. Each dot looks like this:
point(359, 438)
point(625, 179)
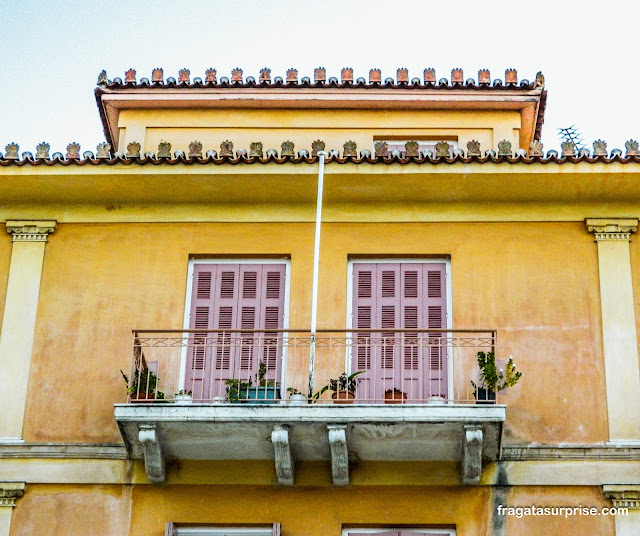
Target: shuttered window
point(403, 532)
point(392, 296)
point(234, 297)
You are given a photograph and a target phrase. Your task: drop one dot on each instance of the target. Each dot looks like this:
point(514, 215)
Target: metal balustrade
point(263, 366)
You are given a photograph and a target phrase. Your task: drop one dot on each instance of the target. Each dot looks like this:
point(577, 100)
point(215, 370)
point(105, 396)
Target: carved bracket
point(153, 457)
point(472, 454)
point(339, 454)
point(30, 231)
point(612, 228)
point(623, 495)
point(10, 492)
point(283, 458)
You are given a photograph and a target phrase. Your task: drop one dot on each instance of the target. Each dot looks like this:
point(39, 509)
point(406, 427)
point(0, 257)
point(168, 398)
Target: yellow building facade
point(195, 252)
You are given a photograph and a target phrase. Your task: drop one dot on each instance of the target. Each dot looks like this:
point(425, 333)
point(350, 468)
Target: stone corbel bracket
point(339, 454)
point(283, 458)
point(612, 228)
point(10, 492)
point(472, 454)
point(623, 495)
point(154, 462)
point(30, 231)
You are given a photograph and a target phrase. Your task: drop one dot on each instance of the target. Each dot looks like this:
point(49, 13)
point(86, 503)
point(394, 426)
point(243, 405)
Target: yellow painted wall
point(537, 284)
point(634, 250)
point(335, 127)
point(559, 496)
point(57, 510)
point(60, 510)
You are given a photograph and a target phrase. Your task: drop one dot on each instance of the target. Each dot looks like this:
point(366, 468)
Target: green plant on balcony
point(143, 385)
point(263, 392)
point(493, 380)
point(343, 387)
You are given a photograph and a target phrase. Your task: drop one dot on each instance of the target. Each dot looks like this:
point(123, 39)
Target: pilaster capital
point(612, 228)
point(10, 492)
point(30, 230)
point(623, 495)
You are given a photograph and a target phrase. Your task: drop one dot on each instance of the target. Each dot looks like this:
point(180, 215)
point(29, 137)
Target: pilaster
point(618, 326)
point(10, 492)
point(19, 320)
point(625, 496)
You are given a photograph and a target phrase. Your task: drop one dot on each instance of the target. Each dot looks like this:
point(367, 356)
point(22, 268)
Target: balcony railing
point(254, 366)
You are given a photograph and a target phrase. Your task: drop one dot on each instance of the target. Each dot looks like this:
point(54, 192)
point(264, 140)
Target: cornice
point(10, 492)
point(30, 231)
point(623, 495)
point(612, 228)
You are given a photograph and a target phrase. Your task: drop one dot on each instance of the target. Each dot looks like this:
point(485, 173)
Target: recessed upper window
point(411, 150)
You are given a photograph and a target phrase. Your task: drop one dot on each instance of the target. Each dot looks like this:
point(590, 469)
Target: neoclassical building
point(329, 306)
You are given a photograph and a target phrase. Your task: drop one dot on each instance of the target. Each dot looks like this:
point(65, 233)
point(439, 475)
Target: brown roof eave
point(103, 117)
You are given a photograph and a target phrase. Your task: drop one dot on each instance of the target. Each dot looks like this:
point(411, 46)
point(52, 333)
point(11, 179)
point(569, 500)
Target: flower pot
point(394, 396)
point(183, 400)
point(485, 396)
point(436, 399)
point(141, 398)
point(258, 395)
point(343, 397)
point(298, 400)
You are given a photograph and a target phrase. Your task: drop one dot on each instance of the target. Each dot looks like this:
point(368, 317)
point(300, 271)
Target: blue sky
point(52, 51)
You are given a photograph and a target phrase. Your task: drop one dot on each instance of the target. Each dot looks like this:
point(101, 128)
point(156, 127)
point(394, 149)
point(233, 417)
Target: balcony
point(412, 399)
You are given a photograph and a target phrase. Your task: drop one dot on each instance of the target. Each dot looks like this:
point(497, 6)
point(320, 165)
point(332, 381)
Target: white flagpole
point(316, 262)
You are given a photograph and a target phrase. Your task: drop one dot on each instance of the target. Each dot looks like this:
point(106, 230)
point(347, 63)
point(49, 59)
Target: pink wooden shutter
point(170, 530)
point(435, 303)
point(272, 317)
point(364, 316)
point(199, 355)
point(231, 297)
point(390, 296)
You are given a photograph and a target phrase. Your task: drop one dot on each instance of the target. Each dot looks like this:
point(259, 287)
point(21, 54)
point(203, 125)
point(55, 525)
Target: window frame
point(439, 531)
point(399, 260)
point(186, 322)
point(221, 531)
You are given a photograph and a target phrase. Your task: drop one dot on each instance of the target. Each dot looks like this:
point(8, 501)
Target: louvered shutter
point(365, 316)
point(230, 297)
point(435, 302)
point(276, 529)
point(170, 530)
point(390, 296)
point(199, 352)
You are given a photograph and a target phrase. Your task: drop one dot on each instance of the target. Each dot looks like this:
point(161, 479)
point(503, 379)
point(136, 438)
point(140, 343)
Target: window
point(172, 530)
point(423, 146)
point(226, 298)
point(388, 297)
point(399, 532)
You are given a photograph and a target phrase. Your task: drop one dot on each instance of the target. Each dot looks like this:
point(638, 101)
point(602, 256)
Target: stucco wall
point(63, 510)
point(537, 284)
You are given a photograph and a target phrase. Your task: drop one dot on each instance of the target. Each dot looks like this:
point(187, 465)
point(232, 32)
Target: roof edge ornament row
point(320, 78)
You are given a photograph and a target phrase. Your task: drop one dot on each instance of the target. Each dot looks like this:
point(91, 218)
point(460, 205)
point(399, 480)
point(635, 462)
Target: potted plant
point(394, 396)
point(296, 398)
point(183, 397)
point(143, 386)
point(343, 387)
point(263, 392)
point(493, 380)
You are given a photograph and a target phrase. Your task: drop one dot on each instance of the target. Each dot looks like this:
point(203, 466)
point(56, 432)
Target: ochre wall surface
point(536, 283)
point(334, 127)
point(597, 525)
point(58, 510)
point(143, 510)
point(310, 511)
